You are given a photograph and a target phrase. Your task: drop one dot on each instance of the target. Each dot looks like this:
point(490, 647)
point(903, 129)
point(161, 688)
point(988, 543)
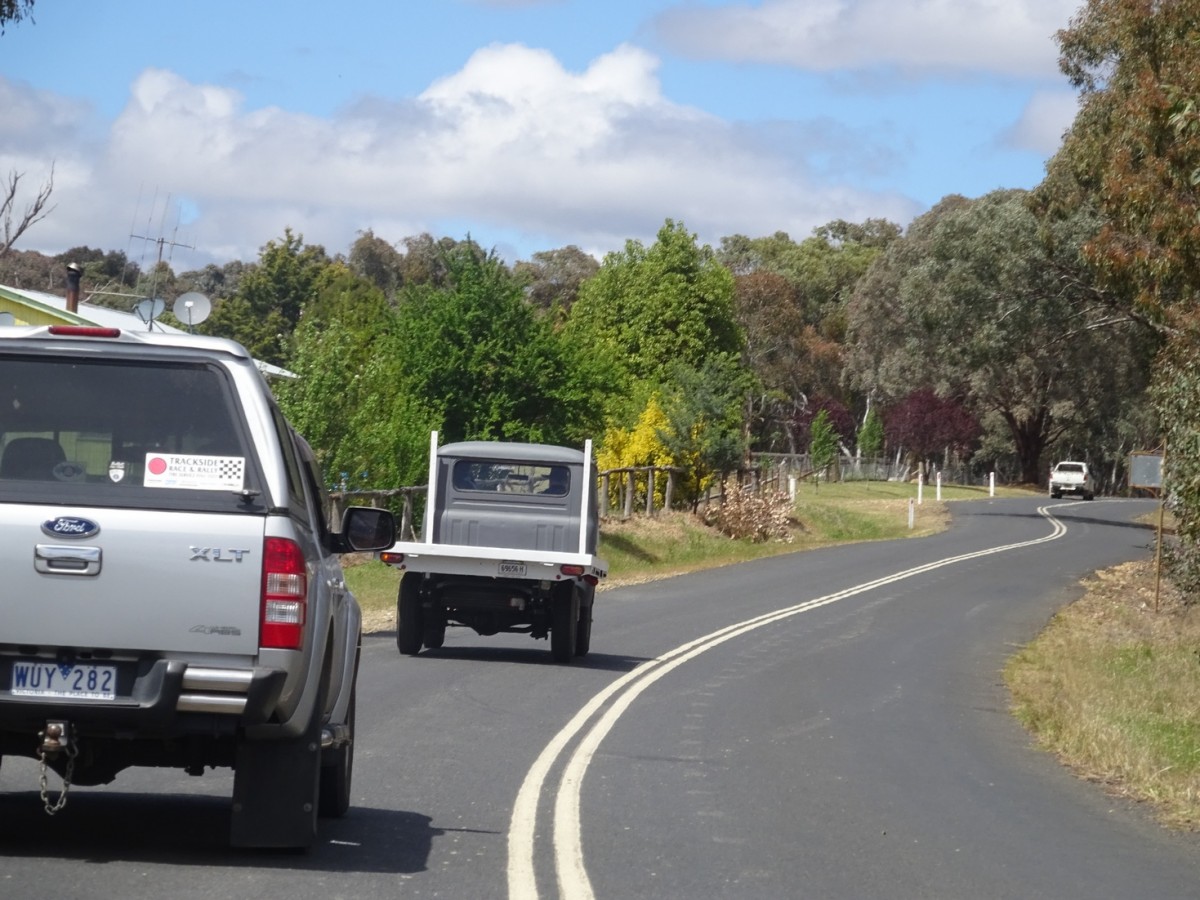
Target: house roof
point(41, 308)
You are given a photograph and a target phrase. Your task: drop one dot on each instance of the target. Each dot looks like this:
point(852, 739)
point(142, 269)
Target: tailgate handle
point(50, 560)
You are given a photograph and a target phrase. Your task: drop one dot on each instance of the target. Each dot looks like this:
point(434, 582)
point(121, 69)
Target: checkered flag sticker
point(233, 469)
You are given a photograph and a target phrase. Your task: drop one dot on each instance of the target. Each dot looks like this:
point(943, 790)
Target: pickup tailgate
point(175, 582)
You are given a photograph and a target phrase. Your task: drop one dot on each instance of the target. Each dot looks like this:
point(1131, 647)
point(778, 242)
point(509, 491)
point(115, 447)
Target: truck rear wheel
point(564, 624)
point(409, 626)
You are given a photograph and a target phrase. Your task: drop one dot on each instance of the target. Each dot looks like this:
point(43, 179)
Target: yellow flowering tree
point(643, 445)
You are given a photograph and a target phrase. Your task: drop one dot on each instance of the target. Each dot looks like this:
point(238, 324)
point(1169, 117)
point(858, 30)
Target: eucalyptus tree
point(791, 301)
point(13, 11)
point(783, 351)
point(376, 260)
point(1133, 152)
point(216, 282)
point(552, 278)
point(426, 259)
point(973, 302)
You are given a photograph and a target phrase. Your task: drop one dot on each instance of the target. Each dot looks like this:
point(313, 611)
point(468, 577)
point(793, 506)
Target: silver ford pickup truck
point(172, 593)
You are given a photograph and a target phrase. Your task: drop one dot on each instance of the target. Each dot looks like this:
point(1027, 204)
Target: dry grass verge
point(1112, 687)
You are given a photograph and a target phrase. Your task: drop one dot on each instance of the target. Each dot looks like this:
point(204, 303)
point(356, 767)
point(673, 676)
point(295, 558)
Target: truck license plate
point(510, 568)
point(42, 679)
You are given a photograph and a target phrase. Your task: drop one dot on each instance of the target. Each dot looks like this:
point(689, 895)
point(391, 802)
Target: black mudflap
point(275, 786)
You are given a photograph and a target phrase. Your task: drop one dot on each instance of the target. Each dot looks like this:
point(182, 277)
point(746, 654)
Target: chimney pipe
point(74, 273)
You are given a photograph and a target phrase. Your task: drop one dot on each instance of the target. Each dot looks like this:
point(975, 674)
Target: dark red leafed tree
point(926, 426)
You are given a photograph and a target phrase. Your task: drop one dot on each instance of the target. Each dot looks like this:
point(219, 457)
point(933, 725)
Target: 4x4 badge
point(70, 527)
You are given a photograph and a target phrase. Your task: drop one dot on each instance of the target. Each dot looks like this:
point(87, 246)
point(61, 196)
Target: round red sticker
point(157, 465)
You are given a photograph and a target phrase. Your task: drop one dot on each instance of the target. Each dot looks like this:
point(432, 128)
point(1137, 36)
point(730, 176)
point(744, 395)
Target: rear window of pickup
point(122, 432)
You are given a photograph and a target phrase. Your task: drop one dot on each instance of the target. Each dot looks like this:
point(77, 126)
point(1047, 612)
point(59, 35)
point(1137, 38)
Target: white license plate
point(507, 567)
point(43, 679)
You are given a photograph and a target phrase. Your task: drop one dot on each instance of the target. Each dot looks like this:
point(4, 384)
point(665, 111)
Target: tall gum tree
point(973, 303)
point(1133, 152)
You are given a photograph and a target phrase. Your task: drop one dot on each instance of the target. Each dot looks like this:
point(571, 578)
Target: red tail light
point(284, 595)
point(575, 571)
point(85, 331)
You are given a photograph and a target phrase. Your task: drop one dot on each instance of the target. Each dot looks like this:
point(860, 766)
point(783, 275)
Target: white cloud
point(1008, 37)
point(512, 142)
point(1043, 122)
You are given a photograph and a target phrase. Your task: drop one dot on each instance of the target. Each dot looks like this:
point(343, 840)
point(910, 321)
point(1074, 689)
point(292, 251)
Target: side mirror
point(365, 528)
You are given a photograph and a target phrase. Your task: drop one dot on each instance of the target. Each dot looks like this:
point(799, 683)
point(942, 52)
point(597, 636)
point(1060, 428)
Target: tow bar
point(55, 739)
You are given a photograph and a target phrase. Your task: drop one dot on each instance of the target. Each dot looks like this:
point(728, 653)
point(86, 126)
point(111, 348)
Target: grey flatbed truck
point(508, 545)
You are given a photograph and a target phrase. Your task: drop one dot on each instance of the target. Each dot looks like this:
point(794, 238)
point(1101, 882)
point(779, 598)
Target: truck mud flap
point(275, 788)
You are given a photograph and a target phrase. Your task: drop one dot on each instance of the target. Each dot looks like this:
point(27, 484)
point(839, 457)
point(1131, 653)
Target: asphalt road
point(829, 724)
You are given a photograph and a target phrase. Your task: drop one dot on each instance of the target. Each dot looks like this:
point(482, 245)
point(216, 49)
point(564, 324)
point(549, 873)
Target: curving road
point(829, 724)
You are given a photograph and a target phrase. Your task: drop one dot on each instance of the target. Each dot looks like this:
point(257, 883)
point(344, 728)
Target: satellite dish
point(191, 308)
point(7, 318)
point(149, 310)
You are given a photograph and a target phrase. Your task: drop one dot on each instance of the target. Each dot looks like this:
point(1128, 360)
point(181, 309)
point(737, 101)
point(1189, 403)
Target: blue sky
point(528, 124)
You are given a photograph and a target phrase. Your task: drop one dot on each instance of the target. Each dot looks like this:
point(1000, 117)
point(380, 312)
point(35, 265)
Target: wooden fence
point(621, 492)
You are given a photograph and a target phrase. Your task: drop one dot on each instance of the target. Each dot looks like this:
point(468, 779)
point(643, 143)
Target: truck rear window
point(511, 478)
point(120, 432)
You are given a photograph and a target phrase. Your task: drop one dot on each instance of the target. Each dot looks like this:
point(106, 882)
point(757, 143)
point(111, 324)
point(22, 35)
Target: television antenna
point(161, 242)
point(191, 308)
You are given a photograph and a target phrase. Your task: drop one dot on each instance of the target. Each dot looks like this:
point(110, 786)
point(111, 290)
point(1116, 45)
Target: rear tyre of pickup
point(410, 629)
point(337, 775)
point(564, 623)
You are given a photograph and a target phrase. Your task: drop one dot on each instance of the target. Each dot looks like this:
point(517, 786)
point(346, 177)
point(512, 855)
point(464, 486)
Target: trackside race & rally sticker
point(201, 473)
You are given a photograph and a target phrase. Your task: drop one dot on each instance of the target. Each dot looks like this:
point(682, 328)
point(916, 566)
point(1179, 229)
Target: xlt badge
point(216, 554)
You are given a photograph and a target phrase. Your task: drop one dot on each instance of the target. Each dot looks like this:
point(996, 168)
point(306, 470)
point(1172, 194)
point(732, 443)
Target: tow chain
point(72, 751)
